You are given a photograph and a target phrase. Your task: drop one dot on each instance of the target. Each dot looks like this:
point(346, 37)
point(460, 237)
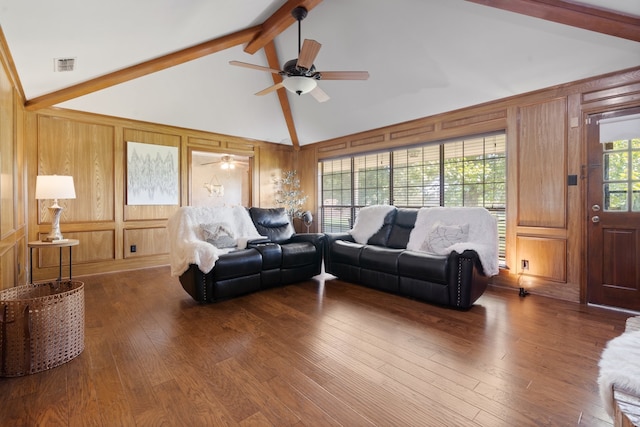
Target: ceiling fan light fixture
point(227, 163)
point(299, 84)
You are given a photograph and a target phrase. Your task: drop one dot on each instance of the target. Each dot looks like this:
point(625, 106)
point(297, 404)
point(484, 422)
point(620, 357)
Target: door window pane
point(615, 197)
point(616, 166)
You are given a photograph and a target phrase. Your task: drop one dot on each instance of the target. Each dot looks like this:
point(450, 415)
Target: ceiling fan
point(226, 162)
point(300, 75)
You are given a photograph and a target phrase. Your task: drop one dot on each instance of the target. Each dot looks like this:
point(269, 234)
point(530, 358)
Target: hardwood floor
point(318, 353)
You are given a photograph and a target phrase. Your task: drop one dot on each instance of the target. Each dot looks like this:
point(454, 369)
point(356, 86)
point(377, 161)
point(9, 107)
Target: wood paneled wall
point(93, 149)
point(545, 144)
point(542, 146)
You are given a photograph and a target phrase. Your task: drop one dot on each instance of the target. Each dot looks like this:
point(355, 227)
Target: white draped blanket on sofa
point(187, 245)
point(482, 234)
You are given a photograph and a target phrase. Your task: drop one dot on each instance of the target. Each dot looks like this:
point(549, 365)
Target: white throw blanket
point(482, 237)
point(369, 220)
point(185, 237)
point(620, 366)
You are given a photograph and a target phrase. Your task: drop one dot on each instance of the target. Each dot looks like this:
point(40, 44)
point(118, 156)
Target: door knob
point(595, 219)
point(595, 208)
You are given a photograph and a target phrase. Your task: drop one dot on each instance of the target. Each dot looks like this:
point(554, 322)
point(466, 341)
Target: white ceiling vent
point(64, 64)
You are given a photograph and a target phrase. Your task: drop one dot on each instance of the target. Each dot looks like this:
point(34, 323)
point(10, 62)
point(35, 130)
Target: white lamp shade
point(299, 85)
point(55, 187)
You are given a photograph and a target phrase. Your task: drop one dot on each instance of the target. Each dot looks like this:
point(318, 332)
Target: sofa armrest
point(466, 278)
point(193, 280)
point(330, 238)
point(318, 240)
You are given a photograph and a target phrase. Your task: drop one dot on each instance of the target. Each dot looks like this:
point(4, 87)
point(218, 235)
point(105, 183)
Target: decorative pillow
point(442, 236)
point(219, 234)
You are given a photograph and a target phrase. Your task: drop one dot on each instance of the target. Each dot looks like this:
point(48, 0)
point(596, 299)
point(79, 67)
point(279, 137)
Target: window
point(466, 172)
point(620, 139)
point(621, 175)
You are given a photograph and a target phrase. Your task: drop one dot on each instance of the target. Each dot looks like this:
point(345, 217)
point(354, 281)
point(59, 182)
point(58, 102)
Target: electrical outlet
point(524, 264)
point(133, 248)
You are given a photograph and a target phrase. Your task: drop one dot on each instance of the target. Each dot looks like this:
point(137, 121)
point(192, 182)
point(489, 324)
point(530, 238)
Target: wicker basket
point(41, 326)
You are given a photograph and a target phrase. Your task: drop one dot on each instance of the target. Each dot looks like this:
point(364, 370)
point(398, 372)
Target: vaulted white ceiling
point(424, 57)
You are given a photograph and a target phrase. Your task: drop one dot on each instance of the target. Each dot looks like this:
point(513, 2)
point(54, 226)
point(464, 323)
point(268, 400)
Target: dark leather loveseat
point(383, 262)
point(281, 257)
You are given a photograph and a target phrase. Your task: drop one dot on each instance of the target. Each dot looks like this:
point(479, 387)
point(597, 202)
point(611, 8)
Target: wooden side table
point(57, 244)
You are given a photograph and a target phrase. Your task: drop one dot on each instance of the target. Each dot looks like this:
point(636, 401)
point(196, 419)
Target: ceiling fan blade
point(319, 94)
point(253, 66)
point(270, 89)
point(308, 53)
point(344, 75)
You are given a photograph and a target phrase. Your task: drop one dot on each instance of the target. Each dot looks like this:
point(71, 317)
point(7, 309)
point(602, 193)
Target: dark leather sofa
point(282, 258)
point(383, 263)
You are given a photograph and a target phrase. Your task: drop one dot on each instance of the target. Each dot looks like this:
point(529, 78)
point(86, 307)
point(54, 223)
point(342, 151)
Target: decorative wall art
point(152, 174)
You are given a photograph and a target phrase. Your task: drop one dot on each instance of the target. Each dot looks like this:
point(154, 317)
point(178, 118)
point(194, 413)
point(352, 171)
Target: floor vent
point(64, 64)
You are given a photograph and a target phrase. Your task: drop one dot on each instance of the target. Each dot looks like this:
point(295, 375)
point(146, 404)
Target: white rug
point(620, 366)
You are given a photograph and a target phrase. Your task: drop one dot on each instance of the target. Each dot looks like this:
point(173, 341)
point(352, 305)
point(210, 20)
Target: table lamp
point(54, 187)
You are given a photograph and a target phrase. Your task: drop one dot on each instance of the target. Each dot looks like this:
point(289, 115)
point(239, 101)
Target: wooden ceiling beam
point(277, 23)
point(575, 15)
point(144, 68)
point(272, 60)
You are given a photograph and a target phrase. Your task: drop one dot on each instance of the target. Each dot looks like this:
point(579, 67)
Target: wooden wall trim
point(412, 132)
point(195, 135)
point(465, 122)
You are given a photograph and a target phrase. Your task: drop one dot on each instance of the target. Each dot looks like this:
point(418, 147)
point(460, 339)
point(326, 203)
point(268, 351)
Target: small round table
point(55, 244)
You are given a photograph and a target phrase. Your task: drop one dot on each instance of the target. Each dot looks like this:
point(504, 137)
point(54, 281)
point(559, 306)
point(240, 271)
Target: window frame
point(334, 213)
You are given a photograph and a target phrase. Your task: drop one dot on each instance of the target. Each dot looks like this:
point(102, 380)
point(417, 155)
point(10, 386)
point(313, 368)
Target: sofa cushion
point(380, 259)
point(237, 264)
point(298, 254)
point(423, 266)
point(401, 230)
point(345, 252)
point(273, 223)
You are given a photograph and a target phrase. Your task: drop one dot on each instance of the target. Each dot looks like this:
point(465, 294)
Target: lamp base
point(55, 235)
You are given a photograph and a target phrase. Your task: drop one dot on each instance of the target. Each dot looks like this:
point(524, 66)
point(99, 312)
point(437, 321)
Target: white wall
point(235, 181)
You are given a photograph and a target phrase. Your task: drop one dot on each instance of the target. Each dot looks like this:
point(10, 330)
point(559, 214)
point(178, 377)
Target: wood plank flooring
point(323, 352)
